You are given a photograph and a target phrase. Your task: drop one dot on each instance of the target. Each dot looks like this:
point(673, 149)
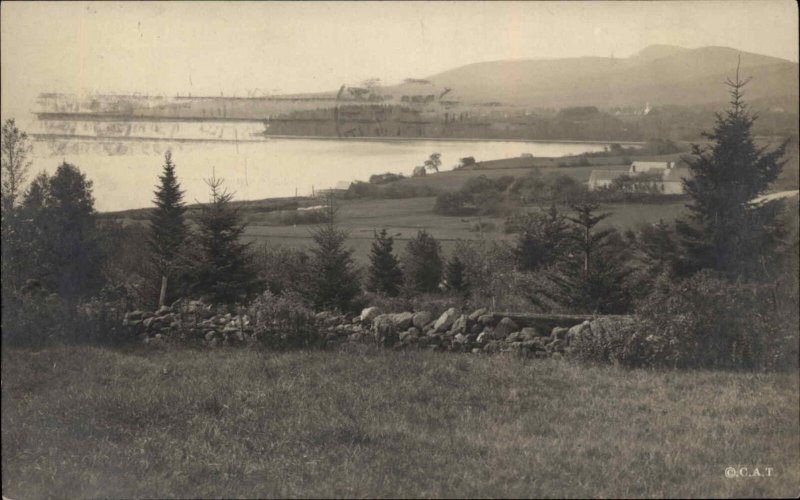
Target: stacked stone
point(194, 321)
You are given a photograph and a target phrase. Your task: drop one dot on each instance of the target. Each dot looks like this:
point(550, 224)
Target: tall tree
point(168, 229)
point(225, 272)
point(590, 276)
point(62, 234)
point(334, 283)
point(14, 152)
point(725, 231)
point(385, 275)
point(422, 263)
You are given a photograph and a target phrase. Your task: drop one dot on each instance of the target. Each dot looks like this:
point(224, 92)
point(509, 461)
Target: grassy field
point(404, 217)
point(93, 422)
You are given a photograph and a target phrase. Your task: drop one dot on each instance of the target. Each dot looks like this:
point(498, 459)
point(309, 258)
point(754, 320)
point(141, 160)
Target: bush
point(283, 270)
point(303, 217)
point(385, 178)
point(708, 322)
point(281, 321)
point(40, 318)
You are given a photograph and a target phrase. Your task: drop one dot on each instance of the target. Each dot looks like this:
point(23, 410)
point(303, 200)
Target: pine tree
point(385, 275)
point(334, 283)
point(168, 231)
point(725, 231)
point(590, 276)
point(422, 263)
point(455, 275)
point(225, 272)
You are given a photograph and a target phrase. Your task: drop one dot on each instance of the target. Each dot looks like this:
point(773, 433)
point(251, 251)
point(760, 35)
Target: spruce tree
point(590, 276)
point(385, 275)
point(422, 263)
point(334, 281)
point(724, 230)
point(168, 231)
point(225, 272)
point(455, 275)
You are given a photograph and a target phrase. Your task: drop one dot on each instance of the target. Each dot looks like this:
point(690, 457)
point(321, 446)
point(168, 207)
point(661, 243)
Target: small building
point(671, 175)
point(603, 178)
point(672, 181)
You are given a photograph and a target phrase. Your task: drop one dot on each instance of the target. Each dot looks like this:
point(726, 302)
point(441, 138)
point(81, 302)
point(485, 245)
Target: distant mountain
point(659, 74)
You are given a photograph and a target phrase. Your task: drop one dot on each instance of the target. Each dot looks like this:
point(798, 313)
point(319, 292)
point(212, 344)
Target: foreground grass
point(92, 422)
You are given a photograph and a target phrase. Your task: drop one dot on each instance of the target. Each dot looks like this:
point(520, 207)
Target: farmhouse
point(671, 175)
point(603, 178)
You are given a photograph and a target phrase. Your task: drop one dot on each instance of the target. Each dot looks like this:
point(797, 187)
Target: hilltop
point(658, 74)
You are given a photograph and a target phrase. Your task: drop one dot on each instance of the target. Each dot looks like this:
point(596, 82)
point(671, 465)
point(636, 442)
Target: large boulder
point(530, 333)
point(421, 319)
point(370, 314)
point(446, 320)
point(577, 331)
point(384, 329)
point(402, 320)
point(487, 319)
point(504, 328)
point(477, 314)
point(460, 325)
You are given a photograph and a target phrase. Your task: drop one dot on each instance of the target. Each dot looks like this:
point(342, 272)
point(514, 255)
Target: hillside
point(658, 74)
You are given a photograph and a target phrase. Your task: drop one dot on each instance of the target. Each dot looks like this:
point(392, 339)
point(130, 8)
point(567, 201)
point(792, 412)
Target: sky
point(254, 48)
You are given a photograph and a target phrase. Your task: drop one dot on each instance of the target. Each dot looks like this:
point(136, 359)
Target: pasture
point(95, 422)
point(404, 217)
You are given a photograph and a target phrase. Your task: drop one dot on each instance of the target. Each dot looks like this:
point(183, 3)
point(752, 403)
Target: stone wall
point(480, 331)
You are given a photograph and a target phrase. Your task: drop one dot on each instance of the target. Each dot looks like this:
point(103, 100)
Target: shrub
point(283, 270)
point(706, 321)
point(303, 217)
point(281, 321)
point(455, 203)
point(385, 178)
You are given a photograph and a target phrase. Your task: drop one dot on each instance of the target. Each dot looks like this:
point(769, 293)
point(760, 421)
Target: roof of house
point(644, 166)
point(605, 175)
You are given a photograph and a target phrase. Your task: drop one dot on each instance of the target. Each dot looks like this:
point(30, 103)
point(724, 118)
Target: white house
point(671, 175)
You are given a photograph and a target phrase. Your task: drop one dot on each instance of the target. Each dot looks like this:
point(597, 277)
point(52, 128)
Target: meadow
point(404, 217)
point(82, 421)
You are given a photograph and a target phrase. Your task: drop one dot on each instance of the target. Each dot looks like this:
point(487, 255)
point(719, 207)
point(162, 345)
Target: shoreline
point(268, 138)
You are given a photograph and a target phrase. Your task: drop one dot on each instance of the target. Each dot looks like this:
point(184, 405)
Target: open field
point(94, 422)
point(404, 217)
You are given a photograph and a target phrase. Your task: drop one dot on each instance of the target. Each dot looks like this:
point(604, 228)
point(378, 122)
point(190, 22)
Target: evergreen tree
point(385, 275)
point(168, 231)
point(590, 277)
point(61, 231)
point(423, 265)
point(541, 240)
point(658, 248)
point(334, 281)
point(724, 230)
point(455, 275)
point(225, 272)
